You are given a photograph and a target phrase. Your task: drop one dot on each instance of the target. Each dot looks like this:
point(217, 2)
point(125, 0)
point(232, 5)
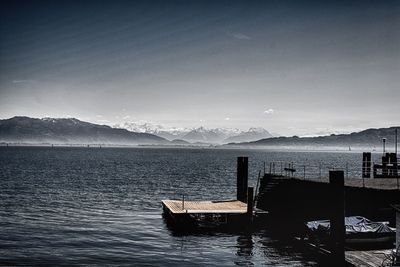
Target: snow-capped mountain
point(252, 134)
point(169, 133)
point(200, 134)
point(140, 127)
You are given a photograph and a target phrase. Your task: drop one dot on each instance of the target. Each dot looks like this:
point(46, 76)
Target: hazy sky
point(292, 67)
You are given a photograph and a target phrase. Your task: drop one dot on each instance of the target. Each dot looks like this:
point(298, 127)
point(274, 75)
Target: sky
point(292, 67)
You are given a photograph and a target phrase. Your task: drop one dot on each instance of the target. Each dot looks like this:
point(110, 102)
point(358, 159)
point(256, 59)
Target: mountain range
point(25, 130)
point(69, 131)
point(200, 134)
point(370, 138)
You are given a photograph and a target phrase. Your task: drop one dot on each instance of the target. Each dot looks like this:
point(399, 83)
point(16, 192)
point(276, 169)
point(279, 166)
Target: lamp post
point(384, 143)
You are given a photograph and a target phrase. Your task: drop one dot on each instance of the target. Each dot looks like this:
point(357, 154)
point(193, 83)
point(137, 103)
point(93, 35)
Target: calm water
point(102, 206)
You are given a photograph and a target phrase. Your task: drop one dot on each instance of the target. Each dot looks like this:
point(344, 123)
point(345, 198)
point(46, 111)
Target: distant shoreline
point(220, 147)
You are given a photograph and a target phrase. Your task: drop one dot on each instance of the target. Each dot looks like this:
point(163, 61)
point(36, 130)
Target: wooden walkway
point(231, 206)
point(369, 258)
point(373, 183)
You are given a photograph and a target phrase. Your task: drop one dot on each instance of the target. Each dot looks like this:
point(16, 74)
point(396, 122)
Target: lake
point(101, 206)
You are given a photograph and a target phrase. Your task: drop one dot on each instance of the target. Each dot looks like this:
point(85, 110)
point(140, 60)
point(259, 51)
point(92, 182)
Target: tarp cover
point(354, 224)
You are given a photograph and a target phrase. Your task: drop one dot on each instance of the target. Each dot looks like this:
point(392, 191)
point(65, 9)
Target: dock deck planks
point(368, 258)
point(233, 206)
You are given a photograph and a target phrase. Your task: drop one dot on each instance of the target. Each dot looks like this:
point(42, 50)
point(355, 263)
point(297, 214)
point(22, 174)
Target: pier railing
point(320, 171)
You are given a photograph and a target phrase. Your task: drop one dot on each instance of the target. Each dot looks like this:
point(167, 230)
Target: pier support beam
point(250, 203)
point(338, 231)
point(242, 178)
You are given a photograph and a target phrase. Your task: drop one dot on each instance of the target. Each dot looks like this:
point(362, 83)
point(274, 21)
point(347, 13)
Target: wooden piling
point(385, 161)
point(242, 178)
point(250, 199)
point(337, 234)
point(393, 165)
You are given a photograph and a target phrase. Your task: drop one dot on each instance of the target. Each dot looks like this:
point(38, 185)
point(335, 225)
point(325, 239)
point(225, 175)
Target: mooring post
point(183, 201)
point(336, 184)
point(393, 165)
point(250, 193)
point(242, 178)
point(385, 161)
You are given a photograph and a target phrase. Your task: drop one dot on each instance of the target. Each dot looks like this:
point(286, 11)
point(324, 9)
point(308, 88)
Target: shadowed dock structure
point(307, 199)
point(298, 200)
point(378, 184)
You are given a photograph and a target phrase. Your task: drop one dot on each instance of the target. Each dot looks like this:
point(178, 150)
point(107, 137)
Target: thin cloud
point(23, 81)
point(103, 121)
point(269, 111)
point(240, 36)
point(227, 119)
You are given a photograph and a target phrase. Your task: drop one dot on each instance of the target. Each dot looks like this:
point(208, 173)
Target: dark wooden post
point(250, 199)
point(242, 178)
point(393, 165)
point(385, 161)
point(337, 231)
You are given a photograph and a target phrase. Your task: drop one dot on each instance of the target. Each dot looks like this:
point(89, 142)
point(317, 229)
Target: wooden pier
point(365, 258)
point(205, 207)
point(316, 199)
point(369, 258)
point(369, 183)
point(222, 215)
point(289, 202)
point(309, 198)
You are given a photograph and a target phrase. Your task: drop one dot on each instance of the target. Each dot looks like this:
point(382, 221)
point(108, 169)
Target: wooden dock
point(205, 207)
point(224, 215)
point(369, 258)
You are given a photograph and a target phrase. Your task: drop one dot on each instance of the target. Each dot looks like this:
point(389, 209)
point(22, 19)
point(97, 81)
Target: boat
point(359, 231)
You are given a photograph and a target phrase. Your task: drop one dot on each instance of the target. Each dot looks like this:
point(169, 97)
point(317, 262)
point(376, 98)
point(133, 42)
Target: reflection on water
point(244, 250)
point(87, 206)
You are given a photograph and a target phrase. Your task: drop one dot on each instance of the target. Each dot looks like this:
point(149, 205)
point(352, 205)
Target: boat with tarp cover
point(359, 231)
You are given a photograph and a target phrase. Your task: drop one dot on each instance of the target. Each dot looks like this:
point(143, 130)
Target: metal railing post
point(320, 173)
point(264, 166)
